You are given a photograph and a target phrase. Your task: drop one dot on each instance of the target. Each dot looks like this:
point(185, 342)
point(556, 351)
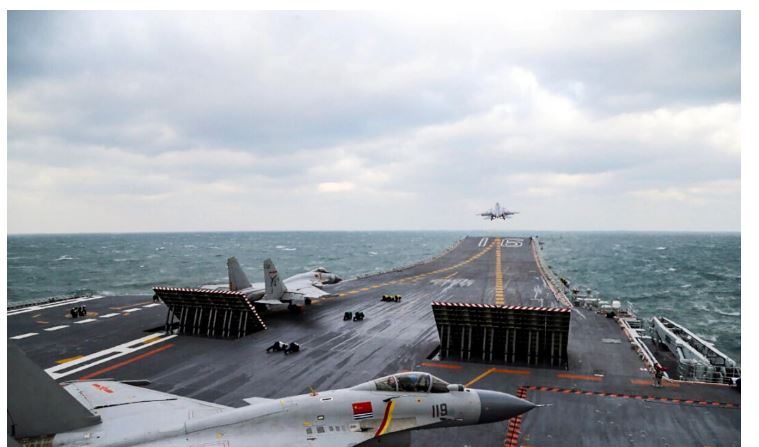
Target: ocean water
point(692, 278)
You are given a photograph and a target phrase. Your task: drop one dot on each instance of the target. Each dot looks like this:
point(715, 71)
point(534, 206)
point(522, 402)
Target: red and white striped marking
point(496, 306)
point(198, 291)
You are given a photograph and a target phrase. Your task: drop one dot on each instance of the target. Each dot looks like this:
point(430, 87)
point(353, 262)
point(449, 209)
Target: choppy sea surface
point(692, 278)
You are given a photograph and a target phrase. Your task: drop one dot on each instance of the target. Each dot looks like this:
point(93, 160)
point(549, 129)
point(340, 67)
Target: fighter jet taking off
point(296, 290)
point(111, 413)
point(498, 213)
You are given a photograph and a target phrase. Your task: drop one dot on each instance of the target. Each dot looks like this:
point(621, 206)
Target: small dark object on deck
point(658, 374)
point(277, 347)
point(294, 309)
point(291, 348)
point(83, 311)
point(611, 314)
point(74, 312)
point(396, 298)
point(348, 316)
point(358, 316)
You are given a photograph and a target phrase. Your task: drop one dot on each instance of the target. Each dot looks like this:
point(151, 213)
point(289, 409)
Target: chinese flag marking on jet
point(362, 410)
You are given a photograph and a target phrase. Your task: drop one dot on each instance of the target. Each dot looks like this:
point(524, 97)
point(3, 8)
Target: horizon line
point(8, 234)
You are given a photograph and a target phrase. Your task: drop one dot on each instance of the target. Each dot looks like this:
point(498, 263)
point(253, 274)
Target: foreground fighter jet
point(296, 290)
point(498, 213)
point(109, 413)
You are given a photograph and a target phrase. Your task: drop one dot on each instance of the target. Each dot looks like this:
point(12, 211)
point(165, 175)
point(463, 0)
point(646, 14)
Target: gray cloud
point(353, 116)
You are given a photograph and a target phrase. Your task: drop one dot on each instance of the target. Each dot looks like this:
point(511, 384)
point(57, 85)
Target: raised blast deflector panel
point(37, 405)
point(503, 334)
point(209, 313)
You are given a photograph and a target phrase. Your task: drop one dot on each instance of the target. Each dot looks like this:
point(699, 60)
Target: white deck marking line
point(89, 320)
point(109, 315)
point(104, 356)
point(46, 306)
point(579, 313)
point(131, 310)
point(56, 328)
point(19, 337)
point(152, 305)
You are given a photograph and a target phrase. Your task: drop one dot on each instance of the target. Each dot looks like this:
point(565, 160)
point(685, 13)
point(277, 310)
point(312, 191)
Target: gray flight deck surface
point(604, 398)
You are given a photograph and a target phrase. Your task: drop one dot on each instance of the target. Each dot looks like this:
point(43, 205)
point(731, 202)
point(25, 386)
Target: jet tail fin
point(37, 405)
point(275, 287)
point(237, 278)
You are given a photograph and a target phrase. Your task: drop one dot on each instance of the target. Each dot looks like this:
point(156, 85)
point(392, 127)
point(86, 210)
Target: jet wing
point(306, 287)
point(123, 408)
point(103, 394)
point(312, 292)
point(269, 302)
point(257, 400)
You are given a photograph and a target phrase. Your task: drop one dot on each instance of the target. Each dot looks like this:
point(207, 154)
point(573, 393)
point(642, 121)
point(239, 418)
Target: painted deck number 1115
point(439, 410)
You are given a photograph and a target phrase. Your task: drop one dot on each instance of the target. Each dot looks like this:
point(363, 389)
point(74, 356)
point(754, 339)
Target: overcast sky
point(356, 121)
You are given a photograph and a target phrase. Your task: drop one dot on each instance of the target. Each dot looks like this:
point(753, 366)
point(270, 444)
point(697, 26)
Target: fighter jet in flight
point(111, 413)
point(498, 213)
point(300, 289)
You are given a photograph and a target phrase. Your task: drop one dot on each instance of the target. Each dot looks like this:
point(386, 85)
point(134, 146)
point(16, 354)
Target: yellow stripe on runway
point(480, 377)
point(498, 274)
point(70, 359)
point(421, 276)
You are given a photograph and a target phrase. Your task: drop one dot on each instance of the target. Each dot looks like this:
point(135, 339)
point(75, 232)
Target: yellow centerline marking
point(70, 359)
point(420, 275)
point(498, 274)
point(648, 383)
point(579, 377)
point(480, 377)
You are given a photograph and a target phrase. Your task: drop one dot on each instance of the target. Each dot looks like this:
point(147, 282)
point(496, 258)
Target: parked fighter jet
point(110, 413)
point(498, 213)
point(296, 290)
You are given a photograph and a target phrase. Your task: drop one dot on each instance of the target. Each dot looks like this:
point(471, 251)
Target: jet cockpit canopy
point(408, 382)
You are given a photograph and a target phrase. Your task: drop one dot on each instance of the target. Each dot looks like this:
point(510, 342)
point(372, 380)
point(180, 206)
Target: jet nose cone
point(495, 406)
point(336, 279)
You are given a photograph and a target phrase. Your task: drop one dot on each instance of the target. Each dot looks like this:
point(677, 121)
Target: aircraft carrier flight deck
point(487, 313)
